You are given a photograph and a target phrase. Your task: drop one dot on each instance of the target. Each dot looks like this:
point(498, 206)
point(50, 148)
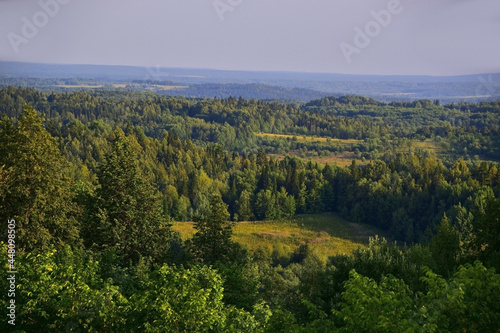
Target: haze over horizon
point(382, 37)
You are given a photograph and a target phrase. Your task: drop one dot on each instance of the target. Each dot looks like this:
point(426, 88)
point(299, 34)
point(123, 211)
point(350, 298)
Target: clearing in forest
point(326, 234)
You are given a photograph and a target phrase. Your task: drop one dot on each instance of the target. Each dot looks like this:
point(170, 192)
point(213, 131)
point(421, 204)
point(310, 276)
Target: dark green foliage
point(35, 187)
point(127, 212)
point(241, 282)
point(212, 241)
point(487, 239)
point(445, 247)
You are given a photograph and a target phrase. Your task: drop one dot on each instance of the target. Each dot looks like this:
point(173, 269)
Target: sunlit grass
point(427, 144)
point(307, 138)
point(342, 159)
point(326, 234)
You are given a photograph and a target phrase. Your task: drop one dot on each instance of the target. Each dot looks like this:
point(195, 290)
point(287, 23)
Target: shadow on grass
point(339, 227)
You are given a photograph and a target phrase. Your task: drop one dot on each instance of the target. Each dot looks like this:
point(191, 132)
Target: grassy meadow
point(326, 235)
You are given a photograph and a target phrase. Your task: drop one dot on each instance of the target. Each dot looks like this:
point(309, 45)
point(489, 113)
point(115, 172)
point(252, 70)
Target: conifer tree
point(34, 189)
point(128, 213)
point(212, 241)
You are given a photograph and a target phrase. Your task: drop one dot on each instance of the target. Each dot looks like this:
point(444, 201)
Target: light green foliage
point(180, 300)
point(468, 302)
point(244, 204)
point(272, 205)
point(61, 291)
point(177, 300)
point(371, 307)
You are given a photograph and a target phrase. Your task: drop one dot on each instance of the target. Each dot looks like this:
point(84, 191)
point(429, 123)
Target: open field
point(79, 86)
point(166, 87)
point(345, 157)
point(427, 144)
point(305, 138)
point(342, 159)
point(326, 234)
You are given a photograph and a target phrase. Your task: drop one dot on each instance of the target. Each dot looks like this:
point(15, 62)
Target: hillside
point(90, 181)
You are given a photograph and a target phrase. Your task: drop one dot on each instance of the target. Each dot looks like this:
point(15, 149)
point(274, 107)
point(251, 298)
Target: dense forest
point(94, 181)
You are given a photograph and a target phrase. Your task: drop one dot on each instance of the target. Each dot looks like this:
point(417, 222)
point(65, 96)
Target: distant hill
point(262, 85)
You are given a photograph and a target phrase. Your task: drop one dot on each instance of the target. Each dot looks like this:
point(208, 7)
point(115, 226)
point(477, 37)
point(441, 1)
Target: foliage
point(35, 190)
point(110, 171)
point(127, 212)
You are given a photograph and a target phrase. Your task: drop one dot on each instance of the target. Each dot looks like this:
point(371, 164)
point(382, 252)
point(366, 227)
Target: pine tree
point(212, 241)
point(244, 205)
point(445, 246)
point(34, 189)
point(128, 213)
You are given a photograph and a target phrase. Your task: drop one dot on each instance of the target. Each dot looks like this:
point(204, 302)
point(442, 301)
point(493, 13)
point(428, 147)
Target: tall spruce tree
point(127, 215)
point(34, 189)
point(212, 241)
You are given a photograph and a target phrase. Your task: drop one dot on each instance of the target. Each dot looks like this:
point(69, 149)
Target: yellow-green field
point(427, 144)
point(342, 159)
point(305, 138)
point(79, 86)
point(326, 234)
point(165, 87)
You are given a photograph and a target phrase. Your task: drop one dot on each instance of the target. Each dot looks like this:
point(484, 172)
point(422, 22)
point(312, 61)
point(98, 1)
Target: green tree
point(35, 190)
point(487, 229)
point(445, 246)
point(244, 207)
point(371, 307)
point(61, 291)
point(212, 240)
point(286, 203)
point(128, 212)
point(177, 300)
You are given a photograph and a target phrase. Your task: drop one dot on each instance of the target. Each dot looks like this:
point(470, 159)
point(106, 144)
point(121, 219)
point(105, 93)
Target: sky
point(387, 37)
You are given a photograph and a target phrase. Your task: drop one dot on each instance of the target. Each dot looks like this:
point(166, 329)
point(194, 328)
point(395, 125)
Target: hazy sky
point(434, 37)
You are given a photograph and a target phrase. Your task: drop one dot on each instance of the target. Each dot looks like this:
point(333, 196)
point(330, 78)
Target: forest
point(95, 180)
